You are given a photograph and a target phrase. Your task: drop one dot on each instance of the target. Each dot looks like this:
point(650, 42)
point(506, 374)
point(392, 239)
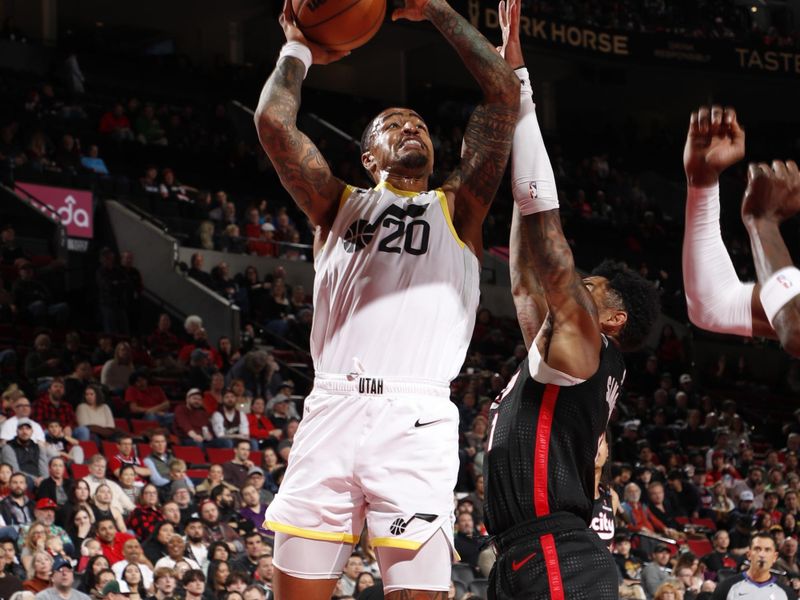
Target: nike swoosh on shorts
point(517, 565)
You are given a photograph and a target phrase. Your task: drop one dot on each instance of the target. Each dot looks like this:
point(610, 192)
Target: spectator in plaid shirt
point(53, 407)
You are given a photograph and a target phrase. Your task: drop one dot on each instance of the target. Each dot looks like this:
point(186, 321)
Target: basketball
point(339, 24)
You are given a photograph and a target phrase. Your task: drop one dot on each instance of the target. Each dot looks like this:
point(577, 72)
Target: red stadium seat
point(700, 547)
point(79, 471)
point(109, 449)
point(256, 456)
point(143, 450)
point(682, 520)
point(196, 474)
point(89, 449)
point(122, 425)
point(191, 455)
point(217, 456)
point(140, 426)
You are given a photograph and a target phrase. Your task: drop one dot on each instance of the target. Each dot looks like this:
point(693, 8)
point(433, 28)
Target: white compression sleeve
point(715, 298)
point(532, 178)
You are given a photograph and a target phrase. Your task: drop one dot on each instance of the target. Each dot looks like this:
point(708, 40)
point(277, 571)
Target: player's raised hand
point(414, 11)
point(320, 54)
point(511, 50)
point(714, 143)
point(773, 193)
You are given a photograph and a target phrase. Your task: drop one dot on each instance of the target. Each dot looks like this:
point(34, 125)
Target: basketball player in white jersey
point(715, 297)
point(395, 297)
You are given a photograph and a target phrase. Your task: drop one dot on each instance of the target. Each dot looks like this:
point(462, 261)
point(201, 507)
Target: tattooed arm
point(299, 163)
point(487, 138)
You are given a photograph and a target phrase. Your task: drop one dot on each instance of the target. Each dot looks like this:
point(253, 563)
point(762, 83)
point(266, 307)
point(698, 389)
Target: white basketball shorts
point(374, 449)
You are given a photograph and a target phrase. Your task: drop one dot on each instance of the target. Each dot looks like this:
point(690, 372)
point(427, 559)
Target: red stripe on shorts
point(550, 555)
point(541, 450)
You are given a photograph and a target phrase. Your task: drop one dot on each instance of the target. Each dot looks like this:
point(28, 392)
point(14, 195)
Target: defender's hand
point(772, 194)
point(413, 11)
point(714, 143)
point(319, 54)
point(511, 50)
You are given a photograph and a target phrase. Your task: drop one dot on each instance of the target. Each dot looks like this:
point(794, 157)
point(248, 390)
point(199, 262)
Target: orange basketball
point(339, 24)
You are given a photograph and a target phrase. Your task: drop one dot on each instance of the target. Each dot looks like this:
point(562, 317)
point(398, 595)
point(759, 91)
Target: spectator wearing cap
point(181, 494)
point(256, 478)
point(626, 448)
point(52, 406)
point(16, 508)
point(111, 591)
point(147, 401)
point(754, 482)
point(44, 512)
point(657, 571)
point(24, 455)
point(9, 583)
point(281, 412)
point(745, 508)
point(22, 410)
point(263, 244)
point(63, 577)
point(199, 341)
point(35, 299)
point(231, 425)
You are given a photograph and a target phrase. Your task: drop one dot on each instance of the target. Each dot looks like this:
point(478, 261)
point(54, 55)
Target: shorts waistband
point(555, 523)
point(367, 385)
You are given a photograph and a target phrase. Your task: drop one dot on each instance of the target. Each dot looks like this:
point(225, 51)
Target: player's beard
point(413, 160)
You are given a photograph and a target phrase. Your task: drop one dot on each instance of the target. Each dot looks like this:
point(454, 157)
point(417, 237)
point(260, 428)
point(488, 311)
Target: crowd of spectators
point(159, 449)
point(706, 19)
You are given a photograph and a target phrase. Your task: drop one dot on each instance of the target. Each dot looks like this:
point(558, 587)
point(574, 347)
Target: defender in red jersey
point(546, 424)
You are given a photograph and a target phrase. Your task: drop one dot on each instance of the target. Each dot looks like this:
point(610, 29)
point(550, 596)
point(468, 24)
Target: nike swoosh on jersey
point(517, 565)
point(419, 424)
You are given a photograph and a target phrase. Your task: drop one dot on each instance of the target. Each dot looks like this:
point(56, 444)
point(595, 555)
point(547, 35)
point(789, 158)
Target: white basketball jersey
point(396, 290)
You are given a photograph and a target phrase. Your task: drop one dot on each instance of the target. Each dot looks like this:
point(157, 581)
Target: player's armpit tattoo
point(487, 146)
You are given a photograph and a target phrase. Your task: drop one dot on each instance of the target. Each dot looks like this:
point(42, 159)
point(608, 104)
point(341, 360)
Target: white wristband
point(299, 51)
point(779, 290)
point(526, 89)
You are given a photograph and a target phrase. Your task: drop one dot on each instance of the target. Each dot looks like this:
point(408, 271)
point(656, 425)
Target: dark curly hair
point(637, 297)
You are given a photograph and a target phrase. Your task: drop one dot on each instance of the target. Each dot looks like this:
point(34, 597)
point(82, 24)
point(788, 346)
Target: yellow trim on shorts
point(394, 190)
point(396, 543)
point(448, 219)
point(348, 189)
point(312, 534)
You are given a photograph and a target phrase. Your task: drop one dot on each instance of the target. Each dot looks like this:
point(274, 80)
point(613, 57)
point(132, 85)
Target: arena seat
point(122, 425)
point(89, 448)
point(191, 455)
point(255, 456)
point(700, 547)
point(79, 471)
point(217, 456)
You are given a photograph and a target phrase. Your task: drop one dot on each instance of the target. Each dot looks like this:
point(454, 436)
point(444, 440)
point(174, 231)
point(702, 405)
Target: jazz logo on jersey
point(401, 238)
